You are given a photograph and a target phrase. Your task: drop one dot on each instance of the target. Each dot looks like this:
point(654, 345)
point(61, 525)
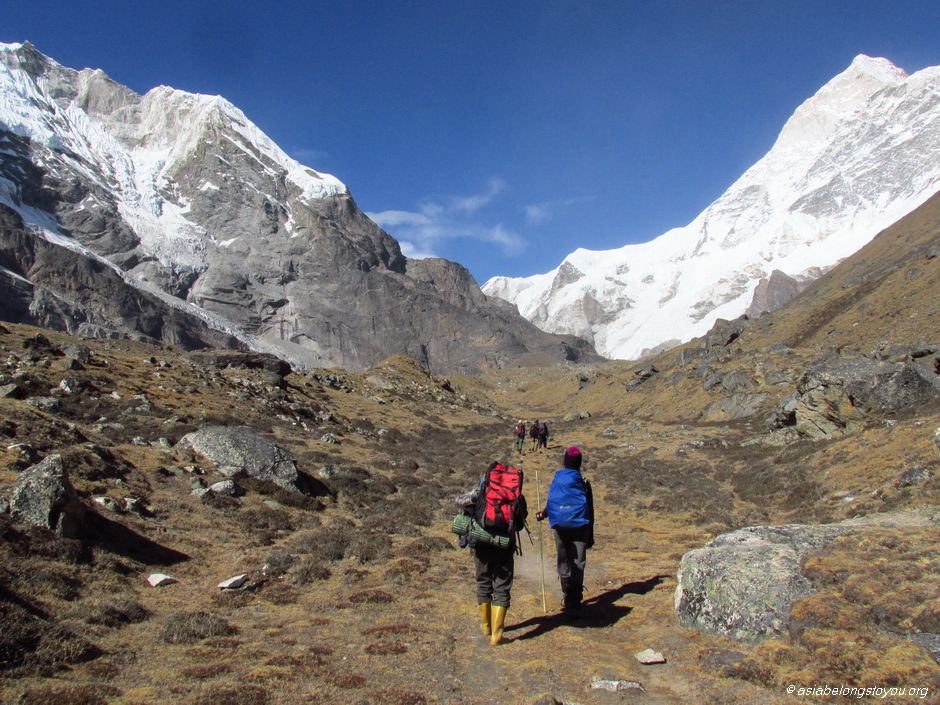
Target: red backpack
point(500, 494)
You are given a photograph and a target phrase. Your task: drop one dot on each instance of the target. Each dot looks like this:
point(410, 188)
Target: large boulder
point(43, 496)
point(244, 451)
point(743, 584)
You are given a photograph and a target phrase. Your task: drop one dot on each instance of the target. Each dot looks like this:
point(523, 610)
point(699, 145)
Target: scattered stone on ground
point(615, 685)
point(160, 580)
point(648, 657)
point(234, 583)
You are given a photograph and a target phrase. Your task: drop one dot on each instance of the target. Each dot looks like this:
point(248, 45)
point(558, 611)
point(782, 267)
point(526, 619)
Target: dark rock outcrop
point(49, 285)
point(841, 392)
point(773, 292)
point(725, 332)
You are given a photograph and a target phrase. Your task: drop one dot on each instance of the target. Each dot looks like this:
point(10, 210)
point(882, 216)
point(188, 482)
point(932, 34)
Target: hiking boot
point(485, 613)
point(499, 619)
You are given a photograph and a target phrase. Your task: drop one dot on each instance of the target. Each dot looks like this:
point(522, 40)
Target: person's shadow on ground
point(597, 612)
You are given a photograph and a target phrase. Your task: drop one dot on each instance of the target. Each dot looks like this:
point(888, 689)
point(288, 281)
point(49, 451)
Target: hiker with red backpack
point(569, 509)
point(494, 515)
point(519, 432)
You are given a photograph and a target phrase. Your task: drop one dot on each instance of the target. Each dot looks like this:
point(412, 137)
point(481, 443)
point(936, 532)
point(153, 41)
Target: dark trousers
point(494, 567)
point(572, 545)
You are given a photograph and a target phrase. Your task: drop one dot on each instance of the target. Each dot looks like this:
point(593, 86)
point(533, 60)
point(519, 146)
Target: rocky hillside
point(170, 216)
point(853, 159)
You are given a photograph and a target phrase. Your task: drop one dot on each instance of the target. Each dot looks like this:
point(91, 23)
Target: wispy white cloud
point(471, 204)
point(538, 213)
point(411, 251)
point(420, 233)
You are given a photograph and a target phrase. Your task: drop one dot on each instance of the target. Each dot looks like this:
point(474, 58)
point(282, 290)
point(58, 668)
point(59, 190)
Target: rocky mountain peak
point(878, 68)
point(853, 159)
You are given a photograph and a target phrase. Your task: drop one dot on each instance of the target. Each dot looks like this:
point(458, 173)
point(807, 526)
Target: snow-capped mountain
point(853, 159)
point(206, 231)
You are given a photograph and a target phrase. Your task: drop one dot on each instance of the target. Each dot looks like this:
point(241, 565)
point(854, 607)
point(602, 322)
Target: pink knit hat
point(573, 458)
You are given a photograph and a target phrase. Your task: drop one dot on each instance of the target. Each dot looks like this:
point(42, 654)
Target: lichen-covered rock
point(243, 448)
point(743, 584)
point(43, 496)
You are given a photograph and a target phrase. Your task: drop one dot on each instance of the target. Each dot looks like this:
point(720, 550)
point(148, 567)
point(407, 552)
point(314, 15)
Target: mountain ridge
point(195, 206)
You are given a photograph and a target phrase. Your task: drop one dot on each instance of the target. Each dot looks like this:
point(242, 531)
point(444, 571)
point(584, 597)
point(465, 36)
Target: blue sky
point(501, 135)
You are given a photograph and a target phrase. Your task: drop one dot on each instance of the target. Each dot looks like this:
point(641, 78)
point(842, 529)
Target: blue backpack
point(567, 504)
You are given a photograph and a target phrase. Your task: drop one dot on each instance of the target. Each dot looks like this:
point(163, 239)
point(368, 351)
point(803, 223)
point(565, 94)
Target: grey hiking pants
point(572, 545)
point(494, 568)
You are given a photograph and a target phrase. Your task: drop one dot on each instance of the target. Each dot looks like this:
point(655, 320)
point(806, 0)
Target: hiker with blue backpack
point(569, 509)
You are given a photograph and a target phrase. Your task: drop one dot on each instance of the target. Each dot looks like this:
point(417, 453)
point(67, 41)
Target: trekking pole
point(538, 500)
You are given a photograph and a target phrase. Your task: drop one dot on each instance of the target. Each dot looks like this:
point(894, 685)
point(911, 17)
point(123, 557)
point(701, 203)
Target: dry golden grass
point(366, 600)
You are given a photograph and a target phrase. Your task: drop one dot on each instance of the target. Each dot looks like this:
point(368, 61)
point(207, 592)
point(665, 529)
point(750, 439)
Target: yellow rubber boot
point(485, 624)
point(499, 619)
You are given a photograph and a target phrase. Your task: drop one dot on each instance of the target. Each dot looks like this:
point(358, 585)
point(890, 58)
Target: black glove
point(539, 516)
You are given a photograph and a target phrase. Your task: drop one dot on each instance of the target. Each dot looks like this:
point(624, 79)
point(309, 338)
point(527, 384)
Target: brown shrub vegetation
point(204, 671)
point(391, 696)
point(233, 695)
point(70, 695)
point(114, 612)
point(386, 648)
point(371, 597)
point(190, 627)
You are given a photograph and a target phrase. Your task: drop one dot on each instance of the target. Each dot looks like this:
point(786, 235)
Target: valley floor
point(365, 597)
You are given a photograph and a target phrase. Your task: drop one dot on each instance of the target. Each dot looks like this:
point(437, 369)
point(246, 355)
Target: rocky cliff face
point(179, 200)
point(853, 159)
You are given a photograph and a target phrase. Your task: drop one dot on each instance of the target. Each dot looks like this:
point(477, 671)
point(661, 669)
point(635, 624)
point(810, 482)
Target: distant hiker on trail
point(534, 434)
point(519, 432)
point(569, 509)
point(543, 435)
point(493, 516)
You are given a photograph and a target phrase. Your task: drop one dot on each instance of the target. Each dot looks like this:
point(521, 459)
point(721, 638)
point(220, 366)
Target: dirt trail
point(626, 609)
